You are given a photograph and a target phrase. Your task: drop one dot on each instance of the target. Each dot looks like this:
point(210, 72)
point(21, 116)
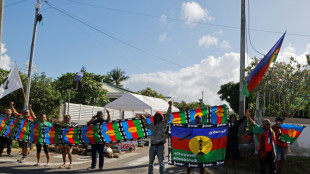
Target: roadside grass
point(292, 165)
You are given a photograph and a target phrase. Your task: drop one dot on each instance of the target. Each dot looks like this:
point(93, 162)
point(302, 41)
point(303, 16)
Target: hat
point(159, 113)
point(267, 120)
point(280, 119)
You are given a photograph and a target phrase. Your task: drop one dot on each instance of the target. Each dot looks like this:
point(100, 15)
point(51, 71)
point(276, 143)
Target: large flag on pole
point(257, 74)
point(11, 83)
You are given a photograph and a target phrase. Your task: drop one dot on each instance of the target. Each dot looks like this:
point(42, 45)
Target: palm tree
point(117, 76)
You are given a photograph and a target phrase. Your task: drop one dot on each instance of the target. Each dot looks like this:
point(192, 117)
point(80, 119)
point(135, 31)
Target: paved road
point(134, 162)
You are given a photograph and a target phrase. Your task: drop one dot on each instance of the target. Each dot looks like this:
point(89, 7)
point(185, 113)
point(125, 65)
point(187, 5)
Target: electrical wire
point(111, 36)
point(15, 3)
point(248, 31)
point(183, 20)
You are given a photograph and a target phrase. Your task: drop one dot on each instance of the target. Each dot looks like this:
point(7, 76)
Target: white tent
point(135, 103)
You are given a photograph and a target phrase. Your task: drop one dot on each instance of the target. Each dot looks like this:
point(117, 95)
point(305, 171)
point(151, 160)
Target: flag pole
point(22, 85)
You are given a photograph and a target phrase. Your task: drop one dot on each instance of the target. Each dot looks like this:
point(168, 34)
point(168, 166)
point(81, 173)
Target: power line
point(248, 29)
point(111, 36)
point(183, 20)
point(15, 3)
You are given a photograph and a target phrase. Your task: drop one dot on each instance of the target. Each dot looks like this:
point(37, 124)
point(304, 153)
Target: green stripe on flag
point(287, 138)
point(204, 112)
point(76, 136)
point(116, 130)
point(225, 109)
point(96, 137)
point(139, 128)
point(190, 157)
point(245, 91)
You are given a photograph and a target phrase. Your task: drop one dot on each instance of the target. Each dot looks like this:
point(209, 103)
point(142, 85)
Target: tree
point(43, 97)
point(230, 93)
point(151, 93)
point(117, 76)
point(186, 106)
point(91, 94)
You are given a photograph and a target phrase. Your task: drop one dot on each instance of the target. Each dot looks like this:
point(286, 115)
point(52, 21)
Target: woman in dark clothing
point(232, 141)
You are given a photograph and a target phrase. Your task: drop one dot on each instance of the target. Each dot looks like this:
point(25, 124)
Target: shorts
point(23, 144)
point(39, 148)
point(65, 148)
point(233, 148)
point(281, 153)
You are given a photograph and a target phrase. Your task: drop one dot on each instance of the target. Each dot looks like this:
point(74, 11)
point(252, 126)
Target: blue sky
point(179, 48)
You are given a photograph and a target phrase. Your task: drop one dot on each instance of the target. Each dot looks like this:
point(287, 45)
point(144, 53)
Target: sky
point(181, 49)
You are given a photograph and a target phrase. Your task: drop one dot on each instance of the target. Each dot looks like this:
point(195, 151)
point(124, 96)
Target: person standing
point(43, 123)
point(65, 148)
point(280, 145)
point(158, 138)
point(233, 141)
point(266, 148)
point(98, 119)
point(6, 140)
point(27, 114)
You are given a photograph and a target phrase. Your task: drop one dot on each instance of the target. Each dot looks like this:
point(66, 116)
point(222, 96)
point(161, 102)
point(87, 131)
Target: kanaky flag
point(133, 129)
point(23, 131)
point(202, 112)
point(90, 134)
point(70, 135)
point(257, 74)
point(289, 132)
point(197, 146)
point(51, 135)
point(3, 123)
point(178, 117)
point(111, 132)
point(11, 83)
point(36, 133)
point(219, 114)
point(12, 125)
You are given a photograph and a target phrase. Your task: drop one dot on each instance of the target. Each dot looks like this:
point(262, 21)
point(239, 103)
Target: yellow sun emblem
point(200, 145)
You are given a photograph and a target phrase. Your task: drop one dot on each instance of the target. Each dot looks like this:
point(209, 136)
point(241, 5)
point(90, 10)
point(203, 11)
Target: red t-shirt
point(277, 131)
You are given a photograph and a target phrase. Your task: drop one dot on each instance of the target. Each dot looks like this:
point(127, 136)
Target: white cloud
point(188, 83)
point(225, 44)
point(193, 12)
point(163, 37)
point(5, 60)
point(163, 18)
point(289, 51)
point(207, 41)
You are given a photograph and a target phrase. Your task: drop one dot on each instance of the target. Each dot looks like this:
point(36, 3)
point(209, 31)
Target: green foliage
point(91, 93)
point(230, 93)
point(116, 77)
point(151, 93)
point(193, 105)
point(43, 97)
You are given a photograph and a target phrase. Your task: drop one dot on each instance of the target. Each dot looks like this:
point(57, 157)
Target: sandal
point(37, 164)
point(62, 166)
point(46, 165)
point(69, 166)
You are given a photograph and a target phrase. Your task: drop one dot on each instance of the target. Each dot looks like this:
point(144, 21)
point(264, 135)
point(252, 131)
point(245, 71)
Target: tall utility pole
point(37, 18)
point(1, 21)
point(242, 62)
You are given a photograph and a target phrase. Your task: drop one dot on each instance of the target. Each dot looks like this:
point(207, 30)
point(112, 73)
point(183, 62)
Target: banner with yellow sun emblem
point(289, 133)
point(197, 146)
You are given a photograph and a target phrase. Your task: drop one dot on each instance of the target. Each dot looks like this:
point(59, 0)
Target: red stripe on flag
point(131, 124)
point(110, 127)
point(257, 78)
point(176, 115)
point(217, 143)
point(12, 127)
point(52, 139)
point(35, 138)
point(91, 139)
point(219, 119)
point(21, 136)
point(70, 139)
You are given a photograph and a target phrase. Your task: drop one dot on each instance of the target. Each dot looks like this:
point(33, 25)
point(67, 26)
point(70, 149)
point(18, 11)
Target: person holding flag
point(280, 145)
point(266, 148)
point(42, 121)
point(31, 117)
point(98, 119)
point(6, 140)
point(158, 138)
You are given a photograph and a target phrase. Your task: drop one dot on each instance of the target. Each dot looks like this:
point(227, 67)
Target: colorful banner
point(289, 132)
point(3, 123)
point(112, 132)
point(197, 146)
point(179, 117)
point(219, 114)
point(202, 112)
point(133, 129)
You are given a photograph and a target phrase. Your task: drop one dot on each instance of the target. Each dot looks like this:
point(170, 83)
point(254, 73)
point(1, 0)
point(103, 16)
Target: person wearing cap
point(158, 138)
point(6, 140)
point(98, 119)
point(280, 145)
point(232, 141)
point(29, 115)
point(266, 147)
